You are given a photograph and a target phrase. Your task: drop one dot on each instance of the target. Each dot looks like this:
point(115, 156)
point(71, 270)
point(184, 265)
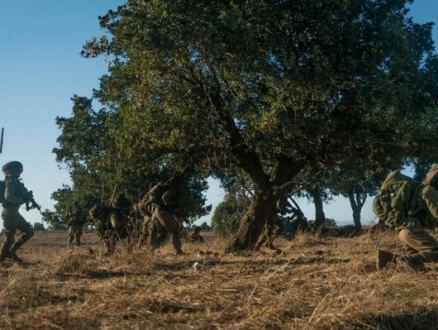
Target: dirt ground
point(315, 283)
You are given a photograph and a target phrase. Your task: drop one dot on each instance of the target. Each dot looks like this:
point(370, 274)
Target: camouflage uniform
point(117, 221)
point(196, 236)
point(411, 230)
point(421, 246)
point(76, 222)
point(165, 219)
point(146, 209)
point(145, 229)
point(112, 222)
point(12, 219)
point(135, 224)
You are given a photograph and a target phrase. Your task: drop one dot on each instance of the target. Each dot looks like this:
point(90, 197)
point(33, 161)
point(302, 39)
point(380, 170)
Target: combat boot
point(13, 255)
point(383, 258)
point(412, 264)
point(2, 257)
point(179, 252)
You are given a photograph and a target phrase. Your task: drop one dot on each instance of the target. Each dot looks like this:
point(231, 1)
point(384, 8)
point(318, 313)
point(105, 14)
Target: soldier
point(146, 209)
point(75, 223)
point(116, 223)
point(166, 216)
point(135, 223)
point(15, 194)
point(196, 236)
point(421, 246)
point(111, 222)
point(145, 230)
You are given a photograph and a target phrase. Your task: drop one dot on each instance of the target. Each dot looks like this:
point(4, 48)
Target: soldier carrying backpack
point(410, 207)
point(13, 195)
point(165, 213)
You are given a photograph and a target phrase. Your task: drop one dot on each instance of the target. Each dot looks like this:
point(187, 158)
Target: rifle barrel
point(1, 140)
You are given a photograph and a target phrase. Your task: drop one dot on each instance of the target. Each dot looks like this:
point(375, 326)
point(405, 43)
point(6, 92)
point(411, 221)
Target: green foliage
point(38, 226)
point(54, 220)
point(294, 81)
point(88, 149)
point(205, 227)
point(329, 223)
point(227, 214)
point(266, 89)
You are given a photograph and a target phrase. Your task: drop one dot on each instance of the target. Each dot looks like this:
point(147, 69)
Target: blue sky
point(40, 70)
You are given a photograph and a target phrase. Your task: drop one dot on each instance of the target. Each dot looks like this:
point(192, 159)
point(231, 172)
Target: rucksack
point(2, 191)
point(144, 207)
point(99, 216)
point(397, 198)
point(155, 195)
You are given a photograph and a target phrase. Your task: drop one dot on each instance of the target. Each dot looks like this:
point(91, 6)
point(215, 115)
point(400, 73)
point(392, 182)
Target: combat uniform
point(421, 246)
point(76, 222)
point(117, 223)
point(411, 230)
point(196, 236)
point(14, 197)
point(165, 220)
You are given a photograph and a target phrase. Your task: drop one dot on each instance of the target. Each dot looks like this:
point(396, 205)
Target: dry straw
point(315, 283)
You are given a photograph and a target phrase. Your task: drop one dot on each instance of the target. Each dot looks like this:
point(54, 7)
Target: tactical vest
point(397, 198)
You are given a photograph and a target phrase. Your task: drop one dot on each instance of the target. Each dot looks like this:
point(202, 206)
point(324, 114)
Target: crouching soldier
point(112, 222)
point(196, 236)
point(421, 246)
point(166, 217)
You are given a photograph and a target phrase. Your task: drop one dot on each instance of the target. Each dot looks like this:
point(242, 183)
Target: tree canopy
point(267, 88)
point(88, 149)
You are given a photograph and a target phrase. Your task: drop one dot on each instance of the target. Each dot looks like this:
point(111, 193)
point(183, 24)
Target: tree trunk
point(262, 208)
point(319, 209)
point(356, 203)
point(356, 218)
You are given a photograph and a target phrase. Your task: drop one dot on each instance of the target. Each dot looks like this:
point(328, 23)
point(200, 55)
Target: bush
point(38, 226)
point(227, 215)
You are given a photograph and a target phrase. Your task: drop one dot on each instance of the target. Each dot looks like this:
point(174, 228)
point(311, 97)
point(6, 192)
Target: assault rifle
point(30, 202)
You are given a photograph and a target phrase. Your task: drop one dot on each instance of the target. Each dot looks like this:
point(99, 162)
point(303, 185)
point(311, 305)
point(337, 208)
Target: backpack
point(157, 192)
point(144, 207)
point(2, 191)
point(397, 198)
point(99, 215)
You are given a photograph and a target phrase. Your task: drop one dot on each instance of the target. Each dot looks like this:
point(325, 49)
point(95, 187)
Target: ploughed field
point(315, 283)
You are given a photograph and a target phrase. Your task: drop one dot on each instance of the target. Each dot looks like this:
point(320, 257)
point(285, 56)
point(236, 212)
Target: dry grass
point(316, 283)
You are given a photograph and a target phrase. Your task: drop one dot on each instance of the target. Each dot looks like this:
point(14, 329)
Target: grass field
point(316, 283)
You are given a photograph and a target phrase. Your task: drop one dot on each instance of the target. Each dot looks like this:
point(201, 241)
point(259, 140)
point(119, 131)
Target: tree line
point(272, 98)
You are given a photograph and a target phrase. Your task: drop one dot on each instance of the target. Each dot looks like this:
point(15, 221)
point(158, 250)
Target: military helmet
point(12, 165)
point(76, 203)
